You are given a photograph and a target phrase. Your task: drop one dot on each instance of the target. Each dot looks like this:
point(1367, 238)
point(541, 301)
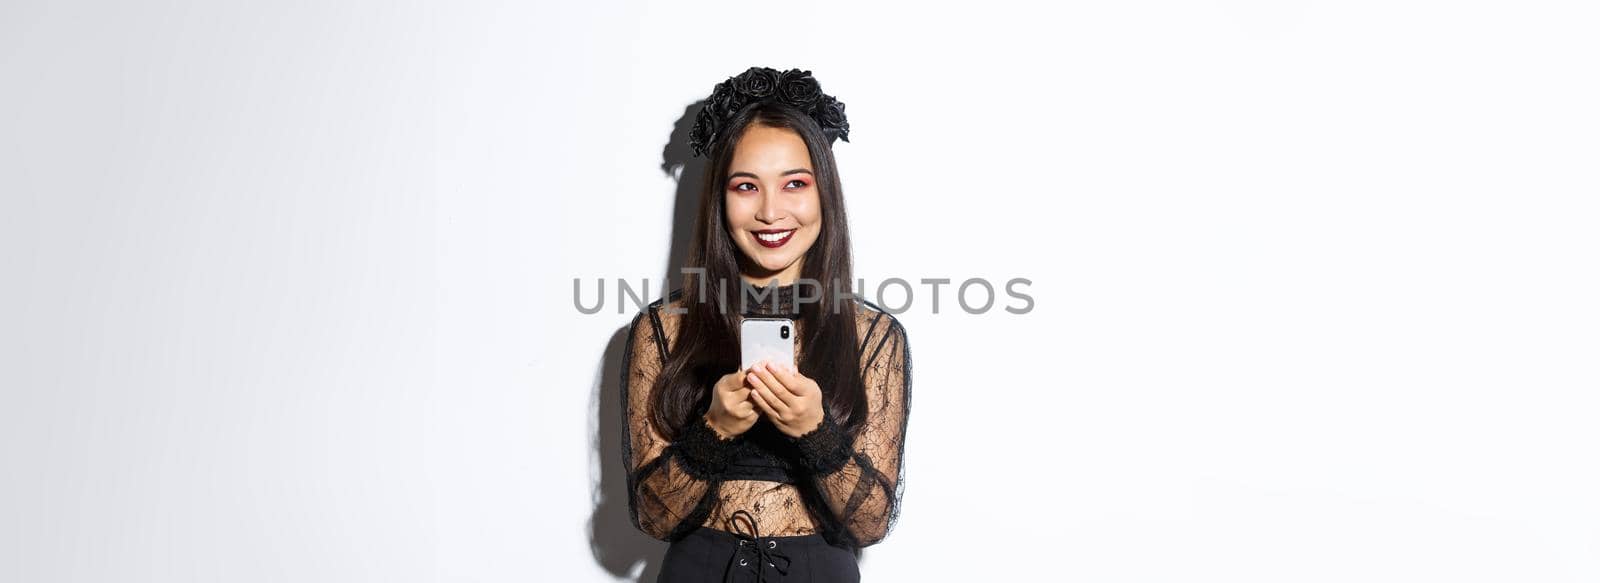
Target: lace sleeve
point(860, 480)
point(671, 484)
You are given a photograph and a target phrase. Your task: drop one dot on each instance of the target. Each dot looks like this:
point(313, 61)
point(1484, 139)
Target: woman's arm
point(671, 485)
point(860, 481)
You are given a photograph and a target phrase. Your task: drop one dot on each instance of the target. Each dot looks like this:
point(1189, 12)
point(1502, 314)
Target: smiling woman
point(769, 473)
point(772, 202)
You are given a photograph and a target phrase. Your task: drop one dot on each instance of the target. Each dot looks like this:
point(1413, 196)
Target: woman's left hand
point(790, 400)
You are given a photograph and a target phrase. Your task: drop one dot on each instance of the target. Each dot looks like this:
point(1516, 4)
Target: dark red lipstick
point(773, 238)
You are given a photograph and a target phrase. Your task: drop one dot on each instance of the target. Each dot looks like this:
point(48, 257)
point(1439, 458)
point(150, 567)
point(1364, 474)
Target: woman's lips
point(773, 237)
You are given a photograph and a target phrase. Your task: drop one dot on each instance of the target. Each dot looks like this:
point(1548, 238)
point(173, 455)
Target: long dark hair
point(706, 347)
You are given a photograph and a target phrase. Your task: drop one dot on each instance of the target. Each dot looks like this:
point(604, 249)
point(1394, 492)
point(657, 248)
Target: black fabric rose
point(830, 115)
point(757, 82)
point(794, 87)
point(798, 88)
point(725, 100)
point(705, 130)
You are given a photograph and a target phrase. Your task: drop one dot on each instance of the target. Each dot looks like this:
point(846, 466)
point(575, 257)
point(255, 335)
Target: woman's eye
point(800, 183)
point(742, 185)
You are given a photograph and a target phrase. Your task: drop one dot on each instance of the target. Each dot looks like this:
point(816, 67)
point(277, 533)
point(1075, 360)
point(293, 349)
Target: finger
point(753, 382)
point(733, 387)
point(790, 378)
point(764, 372)
point(761, 403)
point(768, 395)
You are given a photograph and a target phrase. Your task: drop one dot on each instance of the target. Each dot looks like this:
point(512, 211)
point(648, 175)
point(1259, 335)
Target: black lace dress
point(823, 483)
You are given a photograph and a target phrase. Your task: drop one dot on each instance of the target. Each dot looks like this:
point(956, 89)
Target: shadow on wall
point(617, 545)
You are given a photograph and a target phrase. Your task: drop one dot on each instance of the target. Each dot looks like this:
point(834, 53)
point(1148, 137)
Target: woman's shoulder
point(662, 313)
point(872, 321)
point(883, 340)
point(671, 304)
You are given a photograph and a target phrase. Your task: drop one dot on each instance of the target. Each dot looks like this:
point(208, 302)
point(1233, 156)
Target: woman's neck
point(768, 280)
point(777, 300)
point(785, 277)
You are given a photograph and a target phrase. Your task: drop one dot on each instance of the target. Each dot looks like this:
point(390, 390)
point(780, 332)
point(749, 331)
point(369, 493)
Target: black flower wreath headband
point(793, 87)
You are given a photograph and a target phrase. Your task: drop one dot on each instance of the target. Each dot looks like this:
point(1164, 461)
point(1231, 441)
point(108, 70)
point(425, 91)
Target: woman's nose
point(769, 208)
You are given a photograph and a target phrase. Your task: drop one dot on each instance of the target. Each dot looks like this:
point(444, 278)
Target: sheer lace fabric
point(822, 482)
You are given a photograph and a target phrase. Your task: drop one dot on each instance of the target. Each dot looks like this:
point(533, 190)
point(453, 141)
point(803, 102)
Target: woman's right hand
point(731, 413)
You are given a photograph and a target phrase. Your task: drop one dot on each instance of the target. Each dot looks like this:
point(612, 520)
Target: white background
point(288, 286)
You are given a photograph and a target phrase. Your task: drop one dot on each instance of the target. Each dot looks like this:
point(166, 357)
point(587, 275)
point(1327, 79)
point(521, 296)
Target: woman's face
point(773, 207)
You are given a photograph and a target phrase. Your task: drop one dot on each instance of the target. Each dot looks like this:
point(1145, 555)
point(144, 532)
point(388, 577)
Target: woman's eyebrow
point(785, 173)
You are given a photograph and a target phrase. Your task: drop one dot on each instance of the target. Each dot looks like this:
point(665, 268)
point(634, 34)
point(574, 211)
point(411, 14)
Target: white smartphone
point(769, 339)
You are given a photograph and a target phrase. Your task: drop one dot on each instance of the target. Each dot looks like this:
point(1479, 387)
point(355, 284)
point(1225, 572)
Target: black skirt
point(710, 555)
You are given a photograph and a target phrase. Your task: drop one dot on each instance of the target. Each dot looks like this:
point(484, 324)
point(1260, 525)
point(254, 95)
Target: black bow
point(755, 549)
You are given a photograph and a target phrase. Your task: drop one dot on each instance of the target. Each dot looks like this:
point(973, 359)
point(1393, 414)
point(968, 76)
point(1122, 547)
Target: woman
point(770, 473)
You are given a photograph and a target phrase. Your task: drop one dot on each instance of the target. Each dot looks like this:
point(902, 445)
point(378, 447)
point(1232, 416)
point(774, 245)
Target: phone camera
point(783, 332)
